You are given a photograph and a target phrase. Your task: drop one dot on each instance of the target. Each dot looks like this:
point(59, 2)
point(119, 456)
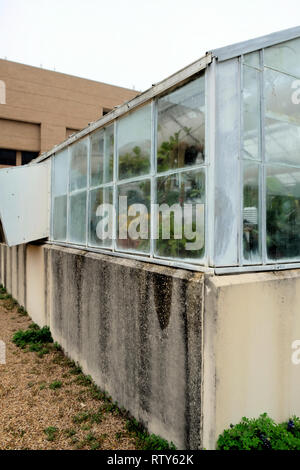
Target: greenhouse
point(217, 144)
point(118, 239)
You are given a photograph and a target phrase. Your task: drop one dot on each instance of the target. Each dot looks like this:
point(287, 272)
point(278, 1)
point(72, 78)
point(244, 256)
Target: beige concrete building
point(41, 108)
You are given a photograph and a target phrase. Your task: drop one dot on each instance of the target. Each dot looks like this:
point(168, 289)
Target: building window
point(8, 157)
point(28, 156)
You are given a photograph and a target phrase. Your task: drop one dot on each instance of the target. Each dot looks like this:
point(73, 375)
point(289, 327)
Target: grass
point(55, 385)
point(51, 433)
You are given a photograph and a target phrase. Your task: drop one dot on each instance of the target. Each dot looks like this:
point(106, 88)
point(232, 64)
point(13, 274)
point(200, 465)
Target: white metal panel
point(25, 203)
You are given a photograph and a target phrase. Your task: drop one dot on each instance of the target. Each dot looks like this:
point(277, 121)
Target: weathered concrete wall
point(13, 271)
point(135, 328)
point(250, 322)
point(186, 354)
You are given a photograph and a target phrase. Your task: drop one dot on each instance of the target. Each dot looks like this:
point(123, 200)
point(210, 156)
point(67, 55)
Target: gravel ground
point(34, 416)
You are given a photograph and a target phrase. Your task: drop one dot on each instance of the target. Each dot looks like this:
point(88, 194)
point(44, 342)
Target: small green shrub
point(261, 434)
point(56, 384)
point(22, 311)
point(34, 335)
point(81, 417)
point(51, 432)
point(85, 380)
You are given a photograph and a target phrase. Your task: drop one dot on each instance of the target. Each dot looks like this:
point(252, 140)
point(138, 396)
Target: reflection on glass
point(134, 143)
point(252, 59)
point(59, 194)
point(187, 192)
point(181, 127)
point(102, 154)
point(78, 165)
point(136, 193)
point(100, 232)
point(61, 168)
point(282, 123)
point(251, 214)
point(60, 218)
point(78, 218)
point(284, 57)
point(251, 113)
point(283, 213)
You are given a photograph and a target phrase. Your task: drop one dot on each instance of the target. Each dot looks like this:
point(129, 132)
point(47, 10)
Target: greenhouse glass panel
point(181, 229)
point(133, 231)
point(251, 113)
point(60, 173)
point(59, 193)
point(102, 153)
point(134, 143)
point(78, 165)
point(282, 121)
point(284, 57)
point(252, 59)
point(181, 127)
point(77, 222)
point(60, 218)
point(283, 213)
point(100, 230)
point(251, 214)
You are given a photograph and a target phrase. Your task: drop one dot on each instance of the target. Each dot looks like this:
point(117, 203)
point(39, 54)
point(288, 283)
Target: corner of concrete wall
point(250, 323)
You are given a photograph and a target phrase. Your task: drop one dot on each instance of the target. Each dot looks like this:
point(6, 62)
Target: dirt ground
point(34, 415)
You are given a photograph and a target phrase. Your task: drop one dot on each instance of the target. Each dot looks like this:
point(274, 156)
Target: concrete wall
point(135, 328)
point(186, 354)
point(250, 323)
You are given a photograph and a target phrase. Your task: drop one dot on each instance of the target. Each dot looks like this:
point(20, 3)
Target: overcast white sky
point(132, 43)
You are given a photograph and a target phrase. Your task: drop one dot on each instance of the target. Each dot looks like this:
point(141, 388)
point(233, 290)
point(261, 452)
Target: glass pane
point(108, 171)
point(282, 123)
point(283, 213)
point(102, 154)
point(60, 218)
point(78, 218)
point(134, 225)
point(252, 59)
point(181, 220)
point(251, 214)
point(134, 143)
point(97, 158)
point(78, 165)
point(251, 113)
point(61, 168)
point(100, 233)
point(284, 57)
point(181, 127)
